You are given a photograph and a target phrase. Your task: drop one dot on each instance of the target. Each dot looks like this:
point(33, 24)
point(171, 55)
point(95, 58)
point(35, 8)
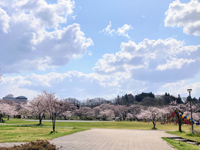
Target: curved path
point(112, 139)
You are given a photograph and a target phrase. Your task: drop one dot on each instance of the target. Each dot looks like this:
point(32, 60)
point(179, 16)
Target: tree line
point(47, 105)
point(144, 99)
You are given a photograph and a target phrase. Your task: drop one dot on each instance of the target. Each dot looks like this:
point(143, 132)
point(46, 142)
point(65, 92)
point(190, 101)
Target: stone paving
point(112, 139)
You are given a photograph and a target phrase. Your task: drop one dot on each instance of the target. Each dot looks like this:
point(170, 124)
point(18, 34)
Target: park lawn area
point(107, 125)
point(119, 125)
point(25, 134)
point(186, 135)
point(181, 145)
point(19, 121)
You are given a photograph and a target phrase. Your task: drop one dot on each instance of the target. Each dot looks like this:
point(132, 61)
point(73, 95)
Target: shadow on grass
point(53, 132)
point(39, 125)
point(154, 128)
point(179, 131)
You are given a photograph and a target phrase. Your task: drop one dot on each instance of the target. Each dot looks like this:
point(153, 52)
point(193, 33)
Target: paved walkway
point(112, 139)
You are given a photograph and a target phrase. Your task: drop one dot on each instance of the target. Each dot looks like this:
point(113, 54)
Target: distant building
point(18, 99)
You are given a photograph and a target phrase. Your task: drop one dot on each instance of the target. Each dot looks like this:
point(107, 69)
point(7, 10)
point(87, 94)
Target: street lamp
point(190, 90)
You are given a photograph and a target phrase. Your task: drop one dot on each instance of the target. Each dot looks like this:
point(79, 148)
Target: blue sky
point(87, 49)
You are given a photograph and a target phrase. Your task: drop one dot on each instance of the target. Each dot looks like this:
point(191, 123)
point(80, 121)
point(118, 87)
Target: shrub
point(38, 145)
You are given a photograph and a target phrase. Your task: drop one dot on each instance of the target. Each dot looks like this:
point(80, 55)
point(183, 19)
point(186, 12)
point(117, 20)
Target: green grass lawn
point(20, 134)
point(107, 125)
point(19, 121)
point(181, 145)
point(25, 134)
point(186, 135)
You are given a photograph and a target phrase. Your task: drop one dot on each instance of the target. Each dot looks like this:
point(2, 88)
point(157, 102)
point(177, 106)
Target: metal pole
point(191, 112)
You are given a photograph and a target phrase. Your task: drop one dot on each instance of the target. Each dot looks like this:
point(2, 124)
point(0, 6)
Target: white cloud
point(45, 15)
point(89, 53)
point(174, 63)
point(74, 17)
point(82, 86)
point(121, 31)
point(137, 68)
point(33, 38)
point(152, 60)
point(69, 84)
point(186, 15)
point(108, 30)
point(181, 87)
point(4, 21)
point(10, 85)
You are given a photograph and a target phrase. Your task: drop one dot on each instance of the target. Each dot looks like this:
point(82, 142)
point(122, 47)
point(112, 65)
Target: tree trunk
point(65, 117)
point(154, 125)
point(0, 117)
point(40, 119)
point(8, 117)
point(179, 122)
point(54, 126)
point(43, 116)
point(53, 121)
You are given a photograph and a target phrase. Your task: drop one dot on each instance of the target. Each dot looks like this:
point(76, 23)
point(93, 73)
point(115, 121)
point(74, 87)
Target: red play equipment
point(174, 114)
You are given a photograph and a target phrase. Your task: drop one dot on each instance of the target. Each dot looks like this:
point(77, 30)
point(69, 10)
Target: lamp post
point(189, 90)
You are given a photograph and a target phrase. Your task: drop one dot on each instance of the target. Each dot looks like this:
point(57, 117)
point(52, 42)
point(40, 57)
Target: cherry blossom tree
point(130, 116)
point(107, 107)
point(96, 111)
point(1, 111)
point(135, 109)
point(104, 111)
point(196, 116)
point(54, 106)
point(24, 112)
point(144, 114)
point(9, 110)
point(165, 113)
point(79, 112)
point(107, 114)
point(85, 112)
point(69, 107)
point(67, 114)
point(121, 111)
point(152, 113)
point(37, 106)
